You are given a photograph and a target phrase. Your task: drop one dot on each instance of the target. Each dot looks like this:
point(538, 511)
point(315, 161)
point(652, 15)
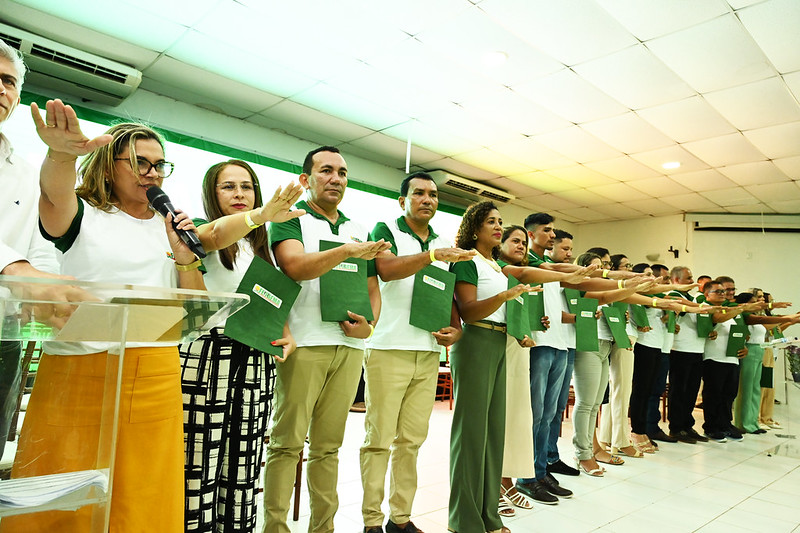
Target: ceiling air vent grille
point(13, 42)
point(462, 186)
point(78, 64)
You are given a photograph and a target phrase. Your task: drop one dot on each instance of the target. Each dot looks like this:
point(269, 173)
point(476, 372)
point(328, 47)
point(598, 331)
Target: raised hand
point(278, 209)
point(61, 130)
point(453, 255)
point(582, 274)
point(369, 249)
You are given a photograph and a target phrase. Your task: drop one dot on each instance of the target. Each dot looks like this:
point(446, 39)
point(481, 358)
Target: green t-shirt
point(465, 271)
point(382, 231)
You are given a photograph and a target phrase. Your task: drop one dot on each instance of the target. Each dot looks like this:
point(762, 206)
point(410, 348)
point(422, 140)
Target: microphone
point(160, 202)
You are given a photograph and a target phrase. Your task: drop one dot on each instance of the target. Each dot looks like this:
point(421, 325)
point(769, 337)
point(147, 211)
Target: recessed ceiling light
point(494, 59)
point(671, 165)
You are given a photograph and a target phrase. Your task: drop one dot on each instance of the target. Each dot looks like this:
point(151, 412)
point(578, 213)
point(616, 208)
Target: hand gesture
point(278, 207)
point(779, 305)
point(453, 255)
point(684, 287)
point(526, 342)
point(579, 275)
point(61, 130)
point(288, 343)
point(357, 327)
point(516, 290)
point(447, 336)
point(369, 249)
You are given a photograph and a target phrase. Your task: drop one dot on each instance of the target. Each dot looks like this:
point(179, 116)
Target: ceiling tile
point(348, 107)
point(773, 192)
point(543, 182)
point(515, 113)
point(750, 209)
point(431, 138)
point(789, 166)
point(583, 197)
point(656, 158)
point(533, 153)
point(623, 169)
point(577, 144)
point(793, 82)
point(635, 77)
point(618, 211)
point(453, 119)
point(660, 186)
point(571, 97)
point(581, 176)
point(653, 207)
point(570, 32)
point(725, 150)
point(460, 168)
point(554, 201)
point(495, 162)
point(585, 214)
point(290, 128)
point(730, 197)
point(227, 106)
point(689, 202)
point(756, 105)
point(777, 142)
point(755, 173)
point(703, 180)
point(687, 120)
point(619, 192)
point(647, 19)
point(713, 55)
point(786, 206)
point(289, 112)
point(384, 145)
point(414, 16)
point(512, 187)
point(773, 25)
point(466, 37)
point(628, 133)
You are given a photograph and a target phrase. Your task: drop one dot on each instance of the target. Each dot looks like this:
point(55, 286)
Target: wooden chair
point(298, 481)
point(31, 356)
point(444, 386)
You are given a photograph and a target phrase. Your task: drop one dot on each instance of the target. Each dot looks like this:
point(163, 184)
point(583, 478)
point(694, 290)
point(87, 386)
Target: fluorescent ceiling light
point(494, 59)
point(669, 165)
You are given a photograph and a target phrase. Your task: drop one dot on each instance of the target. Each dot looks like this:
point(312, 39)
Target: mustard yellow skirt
point(63, 424)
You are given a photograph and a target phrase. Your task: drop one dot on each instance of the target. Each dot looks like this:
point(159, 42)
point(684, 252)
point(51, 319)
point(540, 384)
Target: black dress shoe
point(391, 527)
point(697, 436)
point(560, 467)
point(373, 529)
point(684, 436)
point(759, 431)
point(551, 484)
point(660, 435)
point(537, 492)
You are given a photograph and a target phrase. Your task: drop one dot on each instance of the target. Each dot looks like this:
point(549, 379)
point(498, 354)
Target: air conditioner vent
point(13, 42)
point(492, 196)
point(467, 191)
point(79, 64)
point(462, 186)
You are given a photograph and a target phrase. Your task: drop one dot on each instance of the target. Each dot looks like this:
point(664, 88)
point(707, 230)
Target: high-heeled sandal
point(628, 451)
point(505, 508)
point(594, 472)
point(517, 498)
point(642, 443)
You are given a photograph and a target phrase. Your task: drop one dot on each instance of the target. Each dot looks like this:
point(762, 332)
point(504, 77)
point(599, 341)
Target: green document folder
point(639, 316)
point(616, 323)
point(572, 296)
point(536, 309)
point(670, 321)
point(704, 325)
point(344, 288)
point(586, 325)
point(517, 314)
point(766, 377)
point(777, 333)
point(736, 339)
point(272, 294)
point(432, 298)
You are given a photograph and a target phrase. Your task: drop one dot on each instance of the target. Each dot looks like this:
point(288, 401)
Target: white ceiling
point(594, 97)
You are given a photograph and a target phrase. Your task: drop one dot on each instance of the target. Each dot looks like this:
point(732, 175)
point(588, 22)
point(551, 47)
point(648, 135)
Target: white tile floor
point(753, 485)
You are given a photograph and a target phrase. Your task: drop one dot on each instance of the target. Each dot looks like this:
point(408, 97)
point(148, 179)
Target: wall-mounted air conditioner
point(58, 69)
point(768, 222)
point(464, 191)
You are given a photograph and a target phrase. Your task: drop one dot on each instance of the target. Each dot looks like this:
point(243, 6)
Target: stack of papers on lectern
point(33, 491)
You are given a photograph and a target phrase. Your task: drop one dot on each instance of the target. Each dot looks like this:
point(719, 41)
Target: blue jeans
point(563, 397)
point(548, 366)
point(653, 412)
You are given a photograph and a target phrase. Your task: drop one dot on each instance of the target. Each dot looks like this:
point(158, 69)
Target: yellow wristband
point(683, 309)
point(620, 284)
point(605, 273)
point(769, 305)
point(655, 302)
point(249, 221)
point(433, 256)
point(191, 266)
point(371, 330)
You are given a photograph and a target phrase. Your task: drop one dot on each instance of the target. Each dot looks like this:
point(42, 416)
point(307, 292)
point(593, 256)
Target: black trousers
point(646, 362)
point(720, 386)
point(685, 373)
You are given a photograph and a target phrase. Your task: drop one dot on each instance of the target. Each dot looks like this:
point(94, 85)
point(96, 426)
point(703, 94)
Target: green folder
point(777, 333)
point(766, 377)
point(586, 325)
point(736, 339)
point(272, 294)
point(670, 321)
point(639, 316)
point(432, 298)
point(536, 309)
point(344, 288)
point(616, 323)
point(517, 314)
point(704, 325)
point(572, 296)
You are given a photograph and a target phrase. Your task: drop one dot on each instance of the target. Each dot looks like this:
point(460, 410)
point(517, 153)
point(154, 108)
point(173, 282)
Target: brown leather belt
point(487, 324)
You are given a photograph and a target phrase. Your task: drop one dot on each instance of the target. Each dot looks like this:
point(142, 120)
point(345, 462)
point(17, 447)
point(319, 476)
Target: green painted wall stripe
point(100, 117)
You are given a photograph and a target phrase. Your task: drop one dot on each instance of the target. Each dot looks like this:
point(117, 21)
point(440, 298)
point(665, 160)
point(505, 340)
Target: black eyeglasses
point(163, 168)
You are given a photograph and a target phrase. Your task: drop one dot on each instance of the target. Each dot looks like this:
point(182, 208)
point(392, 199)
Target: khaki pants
point(314, 390)
point(400, 391)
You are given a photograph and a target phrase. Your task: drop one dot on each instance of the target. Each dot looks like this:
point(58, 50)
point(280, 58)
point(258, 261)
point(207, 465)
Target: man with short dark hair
point(401, 363)
point(315, 386)
point(562, 247)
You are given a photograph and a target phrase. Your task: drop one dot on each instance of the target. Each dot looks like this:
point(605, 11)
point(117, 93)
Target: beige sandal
point(516, 498)
point(642, 443)
point(504, 508)
point(629, 451)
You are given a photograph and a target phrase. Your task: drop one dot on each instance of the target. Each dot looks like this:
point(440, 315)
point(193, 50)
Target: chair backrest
point(31, 356)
